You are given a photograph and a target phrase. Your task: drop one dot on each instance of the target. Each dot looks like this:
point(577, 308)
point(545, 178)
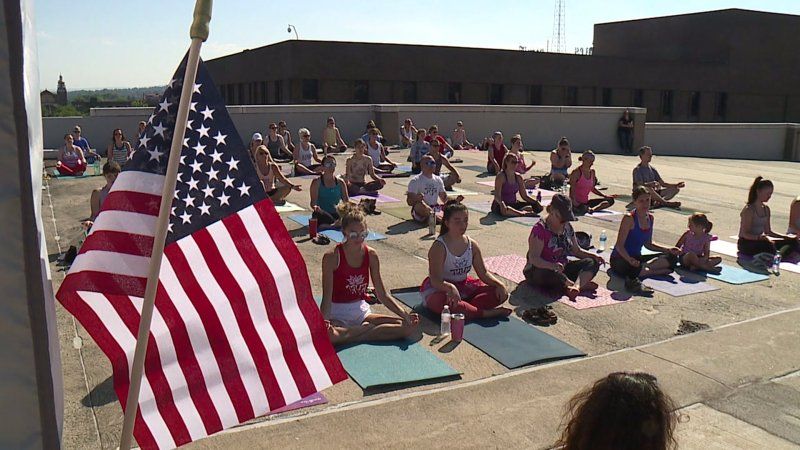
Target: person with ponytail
point(583, 181)
point(695, 245)
point(451, 257)
point(635, 233)
point(755, 233)
point(507, 184)
point(346, 273)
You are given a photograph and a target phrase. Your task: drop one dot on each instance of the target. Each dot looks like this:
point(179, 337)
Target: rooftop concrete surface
point(754, 336)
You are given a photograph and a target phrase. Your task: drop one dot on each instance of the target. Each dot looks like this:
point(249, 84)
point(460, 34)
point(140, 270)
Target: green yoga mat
point(404, 213)
point(510, 341)
point(396, 362)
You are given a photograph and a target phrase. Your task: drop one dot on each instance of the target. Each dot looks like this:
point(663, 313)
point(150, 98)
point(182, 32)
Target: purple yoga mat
point(311, 400)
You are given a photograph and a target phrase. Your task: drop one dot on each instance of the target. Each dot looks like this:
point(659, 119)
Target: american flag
point(236, 332)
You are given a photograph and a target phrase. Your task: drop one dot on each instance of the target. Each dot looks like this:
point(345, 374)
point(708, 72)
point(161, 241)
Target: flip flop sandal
point(539, 316)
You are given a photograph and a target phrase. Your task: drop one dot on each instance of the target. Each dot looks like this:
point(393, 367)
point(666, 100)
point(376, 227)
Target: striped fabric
point(235, 331)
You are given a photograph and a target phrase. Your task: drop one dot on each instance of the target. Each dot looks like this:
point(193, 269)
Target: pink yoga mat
point(510, 267)
point(311, 400)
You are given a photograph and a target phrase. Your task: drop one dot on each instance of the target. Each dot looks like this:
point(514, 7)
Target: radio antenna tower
point(559, 23)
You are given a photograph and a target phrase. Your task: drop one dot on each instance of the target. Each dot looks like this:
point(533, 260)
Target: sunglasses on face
point(353, 235)
point(329, 165)
point(430, 163)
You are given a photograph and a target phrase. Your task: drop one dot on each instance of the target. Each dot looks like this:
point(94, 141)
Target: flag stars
point(232, 163)
point(223, 199)
point(189, 124)
point(186, 217)
point(196, 166)
point(204, 209)
point(193, 106)
point(243, 189)
point(196, 88)
point(208, 191)
point(159, 129)
point(186, 142)
point(228, 181)
point(143, 141)
point(189, 200)
point(200, 149)
point(164, 106)
point(216, 156)
point(212, 174)
point(203, 130)
point(193, 184)
point(155, 154)
point(208, 114)
point(220, 138)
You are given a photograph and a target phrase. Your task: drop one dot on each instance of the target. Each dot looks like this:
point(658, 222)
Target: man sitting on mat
point(357, 167)
point(425, 191)
point(453, 177)
point(646, 175)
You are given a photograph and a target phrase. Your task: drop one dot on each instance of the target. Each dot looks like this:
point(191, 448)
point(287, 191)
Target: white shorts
point(350, 314)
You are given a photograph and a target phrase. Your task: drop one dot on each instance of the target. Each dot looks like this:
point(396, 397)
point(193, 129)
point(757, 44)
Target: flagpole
point(199, 33)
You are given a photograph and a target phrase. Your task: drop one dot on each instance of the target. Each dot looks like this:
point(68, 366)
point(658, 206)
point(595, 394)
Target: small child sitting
point(695, 245)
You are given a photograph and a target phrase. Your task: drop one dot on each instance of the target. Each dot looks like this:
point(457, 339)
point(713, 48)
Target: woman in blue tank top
point(636, 232)
point(327, 191)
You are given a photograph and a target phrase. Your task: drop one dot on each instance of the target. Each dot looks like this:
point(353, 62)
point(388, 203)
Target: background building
point(720, 66)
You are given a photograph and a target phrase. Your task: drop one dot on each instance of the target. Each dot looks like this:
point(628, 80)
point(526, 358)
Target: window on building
point(536, 94)
point(638, 98)
point(223, 92)
point(240, 94)
point(666, 103)
point(694, 104)
point(496, 94)
point(361, 91)
point(722, 104)
point(409, 92)
point(278, 91)
point(310, 91)
point(263, 100)
point(571, 96)
point(454, 92)
point(606, 97)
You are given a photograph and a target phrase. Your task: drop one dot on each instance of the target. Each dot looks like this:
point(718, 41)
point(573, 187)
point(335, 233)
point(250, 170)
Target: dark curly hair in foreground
point(623, 411)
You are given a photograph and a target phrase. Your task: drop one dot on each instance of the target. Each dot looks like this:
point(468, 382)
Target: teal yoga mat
point(510, 341)
point(735, 275)
point(396, 362)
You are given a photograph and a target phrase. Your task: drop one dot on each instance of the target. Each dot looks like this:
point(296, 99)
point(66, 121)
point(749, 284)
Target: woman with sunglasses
point(327, 192)
point(332, 139)
point(635, 233)
point(346, 273)
point(560, 162)
point(306, 160)
point(451, 257)
point(268, 172)
point(551, 240)
point(357, 167)
point(582, 181)
point(283, 130)
point(276, 145)
point(438, 157)
point(119, 150)
point(377, 152)
point(507, 185)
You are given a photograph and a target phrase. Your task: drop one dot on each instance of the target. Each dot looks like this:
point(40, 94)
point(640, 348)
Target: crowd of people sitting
point(555, 259)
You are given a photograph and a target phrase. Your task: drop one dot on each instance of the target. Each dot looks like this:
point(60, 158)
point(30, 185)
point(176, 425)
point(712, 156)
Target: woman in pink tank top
point(346, 272)
point(582, 181)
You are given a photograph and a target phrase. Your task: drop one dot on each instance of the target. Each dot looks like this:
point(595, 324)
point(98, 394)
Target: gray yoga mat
point(510, 341)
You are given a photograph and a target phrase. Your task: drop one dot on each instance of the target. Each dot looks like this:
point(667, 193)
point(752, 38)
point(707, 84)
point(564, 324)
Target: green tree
point(62, 111)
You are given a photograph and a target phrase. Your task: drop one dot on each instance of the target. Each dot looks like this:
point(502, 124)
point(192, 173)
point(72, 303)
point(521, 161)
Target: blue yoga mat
point(510, 341)
point(736, 275)
point(395, 362)
point(302, 219)
point(338, 237)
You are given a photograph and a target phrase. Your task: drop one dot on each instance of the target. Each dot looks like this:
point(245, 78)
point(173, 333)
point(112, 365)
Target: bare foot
point(497, 312)
point(572, 293)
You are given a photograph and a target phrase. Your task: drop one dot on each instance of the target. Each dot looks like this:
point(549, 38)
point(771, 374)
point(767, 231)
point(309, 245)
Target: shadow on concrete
point(102, 394)
point(403, 227)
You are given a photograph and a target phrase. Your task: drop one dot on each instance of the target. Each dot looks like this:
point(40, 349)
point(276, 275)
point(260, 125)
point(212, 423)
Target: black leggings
point(593, 203)
point(536, 206)
point(325, 219)
point(550, 280)
point(751, 247)
point(625, 270)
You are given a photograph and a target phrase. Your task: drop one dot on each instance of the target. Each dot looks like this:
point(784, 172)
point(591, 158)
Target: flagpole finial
point(202, 16)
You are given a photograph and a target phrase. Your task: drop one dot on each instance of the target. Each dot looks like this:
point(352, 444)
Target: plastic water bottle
point(432, 222)
point(603, 239)
point(445, 328)
point(776, 264)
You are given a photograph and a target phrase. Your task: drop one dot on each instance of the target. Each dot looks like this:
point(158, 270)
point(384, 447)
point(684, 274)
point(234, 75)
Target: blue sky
point(109, 43)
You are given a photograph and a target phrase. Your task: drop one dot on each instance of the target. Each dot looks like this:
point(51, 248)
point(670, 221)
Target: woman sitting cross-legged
point(346, 272)
point(551, 240)
point(506, 186)
point(70, 158)
point(450, 259)
point(582, 181)
point(306, 160)
point(636, 232)
point(755, 230)
point(327, 192)
point(357, 167)
point(522, 167)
